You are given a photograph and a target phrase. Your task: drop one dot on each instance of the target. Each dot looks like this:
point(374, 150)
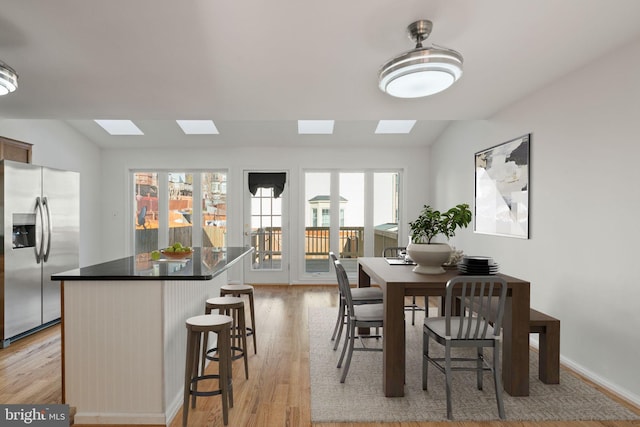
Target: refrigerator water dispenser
point(24, 230)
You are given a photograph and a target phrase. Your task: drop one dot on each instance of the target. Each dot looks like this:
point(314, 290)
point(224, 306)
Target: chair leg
point(187, 378)
point(195, 369)
point(223, 367)
point(345, 370)
point(425, 360)
point(344, 346)
point(447, 373)
point(479, 366)
point(339, 320)
point(242, 340)
point(497, 382)
point(253, 323)
point(413, 310)
point(341, 327)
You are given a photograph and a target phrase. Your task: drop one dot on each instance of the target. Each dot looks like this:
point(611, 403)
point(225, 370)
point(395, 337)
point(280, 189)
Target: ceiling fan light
point(419, 83)
point(8, 79)
point(421, 71)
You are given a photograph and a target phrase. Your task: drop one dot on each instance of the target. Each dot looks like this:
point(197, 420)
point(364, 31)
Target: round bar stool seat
point(237, 290)
point(234, 307)
point(196, 327)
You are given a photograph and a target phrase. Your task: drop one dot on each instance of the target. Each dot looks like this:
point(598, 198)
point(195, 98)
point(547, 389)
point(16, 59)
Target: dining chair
point(367, 295)
point(358, 316)
point(471, 328)
point(396, 252)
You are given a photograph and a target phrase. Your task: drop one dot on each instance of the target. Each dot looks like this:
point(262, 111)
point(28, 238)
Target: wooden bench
point(548, 330)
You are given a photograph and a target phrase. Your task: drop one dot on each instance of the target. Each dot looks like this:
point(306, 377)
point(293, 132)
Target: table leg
point(394, 345)
point(515, 345)
point(364, 281)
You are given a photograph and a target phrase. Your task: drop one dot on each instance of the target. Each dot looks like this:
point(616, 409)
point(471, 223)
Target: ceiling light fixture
point(422, 71)
point(8, 79)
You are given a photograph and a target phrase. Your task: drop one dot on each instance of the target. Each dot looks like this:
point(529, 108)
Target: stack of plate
point(477, 265)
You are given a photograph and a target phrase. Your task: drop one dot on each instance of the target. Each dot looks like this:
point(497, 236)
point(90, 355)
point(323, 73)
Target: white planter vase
point(429, 257)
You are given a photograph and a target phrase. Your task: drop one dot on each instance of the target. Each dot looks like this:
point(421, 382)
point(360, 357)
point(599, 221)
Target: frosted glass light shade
point(8, 79)
point(420, 72)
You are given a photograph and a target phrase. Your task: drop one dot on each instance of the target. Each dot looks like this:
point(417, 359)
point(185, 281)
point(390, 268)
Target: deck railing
point(268, 241)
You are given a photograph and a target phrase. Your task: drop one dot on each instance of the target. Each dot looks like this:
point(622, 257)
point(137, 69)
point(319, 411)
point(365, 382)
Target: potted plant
point(430, 256)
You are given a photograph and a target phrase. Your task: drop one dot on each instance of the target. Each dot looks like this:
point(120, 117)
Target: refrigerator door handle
point(39, 246)
point(45, 203)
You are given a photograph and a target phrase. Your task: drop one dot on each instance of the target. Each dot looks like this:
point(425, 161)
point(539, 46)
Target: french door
point(266, 220)
point(351, 213)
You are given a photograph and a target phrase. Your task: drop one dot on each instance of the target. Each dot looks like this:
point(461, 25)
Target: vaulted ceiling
point(256, 67)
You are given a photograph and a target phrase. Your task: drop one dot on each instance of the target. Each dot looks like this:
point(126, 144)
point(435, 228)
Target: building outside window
point(165, 212)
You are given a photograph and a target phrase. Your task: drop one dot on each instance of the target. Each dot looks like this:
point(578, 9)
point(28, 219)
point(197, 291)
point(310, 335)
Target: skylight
point(315, 127)
point(119, 127)
point(395, 126)
point(198, 127)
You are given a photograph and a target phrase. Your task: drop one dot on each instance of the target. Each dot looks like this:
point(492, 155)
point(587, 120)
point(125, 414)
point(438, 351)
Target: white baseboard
point(625, 394)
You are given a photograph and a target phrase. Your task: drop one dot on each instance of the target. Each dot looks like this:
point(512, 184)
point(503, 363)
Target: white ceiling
point(255, 67)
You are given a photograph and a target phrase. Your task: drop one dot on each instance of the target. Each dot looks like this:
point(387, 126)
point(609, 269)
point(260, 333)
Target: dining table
point(399, 280)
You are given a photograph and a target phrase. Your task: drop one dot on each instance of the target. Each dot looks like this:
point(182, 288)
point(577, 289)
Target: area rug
point(361, 399)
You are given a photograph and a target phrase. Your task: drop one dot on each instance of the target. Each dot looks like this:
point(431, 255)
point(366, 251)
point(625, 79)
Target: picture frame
point(502, 189)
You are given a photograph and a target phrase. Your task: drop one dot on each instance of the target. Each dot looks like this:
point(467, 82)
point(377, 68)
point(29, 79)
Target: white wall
point(584, 234)
point(116, 165)
point(57, 145)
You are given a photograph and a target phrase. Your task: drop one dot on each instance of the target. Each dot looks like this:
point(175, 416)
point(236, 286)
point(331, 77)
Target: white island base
point(124, 345)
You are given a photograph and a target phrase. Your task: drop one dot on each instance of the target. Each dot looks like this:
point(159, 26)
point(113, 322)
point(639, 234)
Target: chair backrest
point(343, 284)
point(476, 294)
point(393, 251)
point(333, 258)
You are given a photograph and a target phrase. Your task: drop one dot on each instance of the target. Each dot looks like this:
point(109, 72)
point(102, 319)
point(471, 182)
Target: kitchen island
point(124, 335)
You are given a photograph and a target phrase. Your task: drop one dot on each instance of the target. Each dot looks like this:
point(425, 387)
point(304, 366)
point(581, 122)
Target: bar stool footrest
point(236, 353)
point(209, 392)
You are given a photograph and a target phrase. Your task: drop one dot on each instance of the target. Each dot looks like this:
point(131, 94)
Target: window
point(316, 237)
point(146, 212)
point(266, 229)
point(180, 208)
point(214, 209)
point(325, 217)
point(386, 201)
point(366, 208)
point(164, 212)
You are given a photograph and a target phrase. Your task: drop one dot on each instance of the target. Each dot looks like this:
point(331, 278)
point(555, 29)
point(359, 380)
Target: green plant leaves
point(432, 222)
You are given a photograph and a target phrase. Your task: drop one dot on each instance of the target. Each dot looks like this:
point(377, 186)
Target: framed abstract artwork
point(502, 189)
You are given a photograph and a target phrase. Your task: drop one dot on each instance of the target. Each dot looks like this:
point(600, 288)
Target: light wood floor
point(276, 394)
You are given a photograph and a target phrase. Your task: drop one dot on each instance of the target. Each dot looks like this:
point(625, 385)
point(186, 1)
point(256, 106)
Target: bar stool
point(234, 307)
point(196, 326)
point(237, 290)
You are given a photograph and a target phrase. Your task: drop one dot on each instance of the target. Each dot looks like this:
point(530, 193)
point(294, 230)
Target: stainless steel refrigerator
point(40, 210)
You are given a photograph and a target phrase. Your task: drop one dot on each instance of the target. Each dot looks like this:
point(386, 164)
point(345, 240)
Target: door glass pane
point(386, 212)
point(317, 220)
point(180, 208)
point(146, 212)
point(214, 209)
point(266, 230)
point(351, 219)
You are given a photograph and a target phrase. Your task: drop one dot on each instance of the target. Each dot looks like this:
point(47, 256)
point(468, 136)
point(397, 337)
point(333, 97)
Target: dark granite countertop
point(203, 264)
